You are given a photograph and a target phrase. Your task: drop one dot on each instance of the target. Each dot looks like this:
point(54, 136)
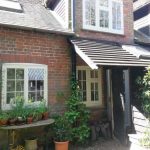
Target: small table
point(11, 129)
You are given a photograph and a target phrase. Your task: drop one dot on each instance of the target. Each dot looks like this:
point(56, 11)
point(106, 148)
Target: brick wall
point(18, 46)
point(128, 25)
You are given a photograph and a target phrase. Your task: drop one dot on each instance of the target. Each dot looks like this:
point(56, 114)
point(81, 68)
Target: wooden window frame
point(24, 66)
point(89, 80)
point(97, 26)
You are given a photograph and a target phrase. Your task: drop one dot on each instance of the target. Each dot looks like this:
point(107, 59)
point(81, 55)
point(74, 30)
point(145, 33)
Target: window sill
point(106, 31)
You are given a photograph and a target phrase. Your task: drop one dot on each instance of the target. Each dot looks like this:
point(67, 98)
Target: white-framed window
point(103, 15)
point(90, 85)
point(26, 80)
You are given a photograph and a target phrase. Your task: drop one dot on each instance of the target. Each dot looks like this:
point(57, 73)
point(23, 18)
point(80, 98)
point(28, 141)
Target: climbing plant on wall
point(77, 114)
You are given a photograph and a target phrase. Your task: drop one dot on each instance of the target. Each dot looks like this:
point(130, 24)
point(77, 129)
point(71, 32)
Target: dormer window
point(103, 15)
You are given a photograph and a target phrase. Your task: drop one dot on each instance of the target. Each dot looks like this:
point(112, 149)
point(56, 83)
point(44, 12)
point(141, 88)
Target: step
point(134, 138)
point(137, 147)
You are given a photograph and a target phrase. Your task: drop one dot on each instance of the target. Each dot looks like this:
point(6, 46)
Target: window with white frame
point(103, 15)
point(26, 80)
point(90, 85)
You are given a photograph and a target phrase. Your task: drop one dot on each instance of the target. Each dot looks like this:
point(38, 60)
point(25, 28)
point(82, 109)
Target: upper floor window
point(24, 80)
point(103, 15)
point(90, 85)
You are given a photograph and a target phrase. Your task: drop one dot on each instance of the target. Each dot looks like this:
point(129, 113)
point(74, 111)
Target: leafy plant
point(77, 114)
point(62, 129)
point(42, 107)
point(4, 116)
point(144, 91)
point(145, 141)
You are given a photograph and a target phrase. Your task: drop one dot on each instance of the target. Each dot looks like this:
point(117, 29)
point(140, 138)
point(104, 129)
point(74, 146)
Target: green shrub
point(77, 115)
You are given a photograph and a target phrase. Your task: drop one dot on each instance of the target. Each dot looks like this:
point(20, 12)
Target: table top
point(34, 124)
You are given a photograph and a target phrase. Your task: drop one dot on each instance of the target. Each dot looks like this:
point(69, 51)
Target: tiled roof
point(34, 16)
point(96, 53)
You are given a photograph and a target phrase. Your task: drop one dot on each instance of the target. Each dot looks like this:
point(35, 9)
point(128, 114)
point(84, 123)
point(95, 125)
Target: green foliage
point(62, 129)
point(77, 115)
point(144, 91)
point(4, 116)
point(145, 141)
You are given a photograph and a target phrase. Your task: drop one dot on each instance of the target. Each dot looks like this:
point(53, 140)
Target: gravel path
point(102, 144)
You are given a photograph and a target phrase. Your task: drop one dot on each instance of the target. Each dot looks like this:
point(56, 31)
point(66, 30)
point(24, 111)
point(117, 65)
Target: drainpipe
point(73, 59)
point(73, 15)
point(73, 53)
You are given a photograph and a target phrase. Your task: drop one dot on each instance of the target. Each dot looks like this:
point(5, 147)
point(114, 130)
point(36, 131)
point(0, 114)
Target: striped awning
point(96, 53)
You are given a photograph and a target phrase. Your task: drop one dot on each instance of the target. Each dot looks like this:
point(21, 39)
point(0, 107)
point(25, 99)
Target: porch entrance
point(119, 101)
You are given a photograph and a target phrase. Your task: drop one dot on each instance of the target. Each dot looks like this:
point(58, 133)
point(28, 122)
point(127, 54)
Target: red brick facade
point(128, 25)
point(18, 46)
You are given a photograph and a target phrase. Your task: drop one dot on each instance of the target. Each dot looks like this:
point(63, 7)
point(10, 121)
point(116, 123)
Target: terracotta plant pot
point(31, 144)
point(12, 121)
point(3, 122)
point(29, 120)
point(45, 115)
point(61, 145)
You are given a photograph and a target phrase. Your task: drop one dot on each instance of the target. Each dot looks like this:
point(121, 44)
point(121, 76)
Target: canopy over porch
point(103, 53)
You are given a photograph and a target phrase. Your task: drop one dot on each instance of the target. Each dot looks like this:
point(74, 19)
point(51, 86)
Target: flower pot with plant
point(43, 110)
point(62, 133)
point(29, 115)
point(3, 118)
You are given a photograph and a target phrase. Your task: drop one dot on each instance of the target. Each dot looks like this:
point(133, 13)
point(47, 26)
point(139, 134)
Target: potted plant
point(29, 115)
point(3, 118)
point(62, 133)
point(12, 117)
point(43, 110)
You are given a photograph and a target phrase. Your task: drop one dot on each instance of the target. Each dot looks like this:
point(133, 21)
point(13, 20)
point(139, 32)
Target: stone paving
point(102, 144)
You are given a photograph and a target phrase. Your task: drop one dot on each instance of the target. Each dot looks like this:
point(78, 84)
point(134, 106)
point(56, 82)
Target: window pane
point(40, 95)
point(92, 95)
point(40, 85)
point(84, 96)
point(84, 75)
point(36, 74)
point(10, 97)
point(20, 94)
point(116, 15)
point(94, 91)
point(104, 19)
point(10, 73)
point(31, 96)
point(96, 86)
point(19, 85)
point(79, 74)
point(96, 96)
point(90, 12)
point(82, 84)
point(19, 74)
point(11, 85)
point(32, 85)
point(104, 3)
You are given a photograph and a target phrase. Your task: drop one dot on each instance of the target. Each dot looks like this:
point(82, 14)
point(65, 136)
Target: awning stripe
point(98, 53)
